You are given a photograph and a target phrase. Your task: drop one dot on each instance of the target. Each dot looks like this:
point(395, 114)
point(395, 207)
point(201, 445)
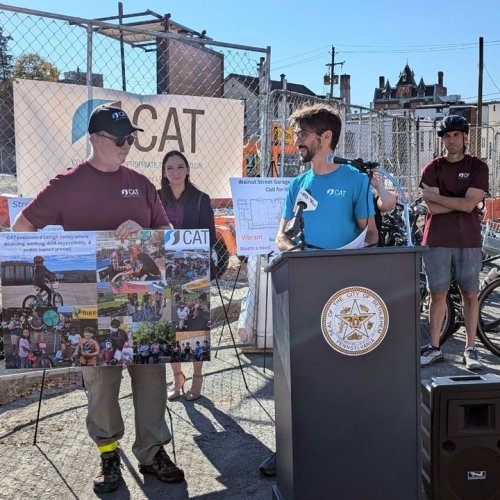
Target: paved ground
point(78, 294)
point(220, 439)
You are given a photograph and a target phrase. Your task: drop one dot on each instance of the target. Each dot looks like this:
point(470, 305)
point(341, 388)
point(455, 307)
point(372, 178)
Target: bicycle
point(453, 317)
point(394, 233)
point(40, 299)
point(43, 359)
point(138, 316)
point(488, 328)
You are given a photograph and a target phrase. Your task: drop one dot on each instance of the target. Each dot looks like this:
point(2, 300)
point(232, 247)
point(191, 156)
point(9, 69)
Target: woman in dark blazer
point(187, 208)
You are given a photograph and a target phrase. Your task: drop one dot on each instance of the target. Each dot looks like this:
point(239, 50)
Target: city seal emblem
point(354, 321)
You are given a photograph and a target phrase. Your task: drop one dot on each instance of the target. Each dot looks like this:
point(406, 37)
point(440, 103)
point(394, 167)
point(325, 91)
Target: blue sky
point(372, 38)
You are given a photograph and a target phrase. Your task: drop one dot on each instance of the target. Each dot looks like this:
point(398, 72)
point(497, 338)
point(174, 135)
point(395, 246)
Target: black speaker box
point(461, 437)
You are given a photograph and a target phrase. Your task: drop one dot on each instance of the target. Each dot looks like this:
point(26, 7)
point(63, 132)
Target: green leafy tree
point(7, 137)
point(6, 60)
point(154, 330)
point(34, 67)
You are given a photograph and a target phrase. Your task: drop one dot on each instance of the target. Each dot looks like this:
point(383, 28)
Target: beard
point(307, 153)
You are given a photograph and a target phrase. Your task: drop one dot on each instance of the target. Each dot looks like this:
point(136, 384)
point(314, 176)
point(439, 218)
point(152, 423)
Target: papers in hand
point(358, 242)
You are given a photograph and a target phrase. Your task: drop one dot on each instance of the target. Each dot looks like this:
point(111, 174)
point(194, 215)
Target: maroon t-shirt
point(454, 229)
point(86, 199)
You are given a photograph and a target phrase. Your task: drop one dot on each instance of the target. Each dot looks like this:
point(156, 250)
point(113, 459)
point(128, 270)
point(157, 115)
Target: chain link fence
point(494, 161)
point(487, 149)
point(366, 133)
point(401, 144)
point(188, 92)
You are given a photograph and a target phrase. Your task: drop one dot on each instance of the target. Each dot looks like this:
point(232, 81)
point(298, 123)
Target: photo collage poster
point(112, 302)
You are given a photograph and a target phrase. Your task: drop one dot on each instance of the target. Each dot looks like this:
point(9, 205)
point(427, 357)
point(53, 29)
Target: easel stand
point(226, 321)
point(39, 407)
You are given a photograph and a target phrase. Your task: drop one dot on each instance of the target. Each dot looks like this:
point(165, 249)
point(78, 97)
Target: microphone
point(295, 224)
point(362, 166)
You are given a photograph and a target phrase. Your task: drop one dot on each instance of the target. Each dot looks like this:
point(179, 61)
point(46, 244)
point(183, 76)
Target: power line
point(322, 56)
point(383, 49)
point(303, 54)
point(490, 77)
point(474, 97)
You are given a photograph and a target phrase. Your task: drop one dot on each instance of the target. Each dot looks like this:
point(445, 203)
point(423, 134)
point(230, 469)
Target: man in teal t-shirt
point(344, 203)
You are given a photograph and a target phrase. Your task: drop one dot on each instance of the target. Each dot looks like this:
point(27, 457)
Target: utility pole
point(480, 98)
point(332, 70)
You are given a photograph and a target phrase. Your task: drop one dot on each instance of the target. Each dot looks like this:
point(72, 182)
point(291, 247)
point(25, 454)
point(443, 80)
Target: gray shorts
point(442, 264)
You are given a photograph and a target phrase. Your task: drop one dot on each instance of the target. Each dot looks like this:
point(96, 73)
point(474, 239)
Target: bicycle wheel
point(118, 278)
point(30, 301)
point(57, 299)
point(448, 326)
point(488, 327)
point(137, 317)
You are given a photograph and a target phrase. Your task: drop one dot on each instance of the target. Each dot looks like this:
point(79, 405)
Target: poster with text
point(91, 299)
point(258, 206)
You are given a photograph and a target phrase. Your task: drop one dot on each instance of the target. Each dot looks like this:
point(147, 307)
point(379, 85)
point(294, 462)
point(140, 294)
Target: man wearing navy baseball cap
point(112, 120)
point(103, 194)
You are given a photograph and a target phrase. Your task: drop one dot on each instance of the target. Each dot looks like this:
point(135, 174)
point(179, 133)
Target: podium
point(347, 400)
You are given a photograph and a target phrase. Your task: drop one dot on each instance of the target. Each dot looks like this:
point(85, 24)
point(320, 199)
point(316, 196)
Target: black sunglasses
point(120, 141)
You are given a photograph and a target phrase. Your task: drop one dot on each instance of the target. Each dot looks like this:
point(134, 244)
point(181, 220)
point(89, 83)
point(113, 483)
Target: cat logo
point(194, 238)
point(354, 321)
point(130, 192)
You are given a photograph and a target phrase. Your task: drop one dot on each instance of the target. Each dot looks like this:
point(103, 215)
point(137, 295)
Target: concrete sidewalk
point(220, 439)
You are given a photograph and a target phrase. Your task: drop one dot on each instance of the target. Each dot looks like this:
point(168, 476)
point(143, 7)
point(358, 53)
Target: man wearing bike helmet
point(452, 185)
point(103, 194)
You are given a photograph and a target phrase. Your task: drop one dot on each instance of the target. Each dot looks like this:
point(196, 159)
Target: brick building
point(407, 94)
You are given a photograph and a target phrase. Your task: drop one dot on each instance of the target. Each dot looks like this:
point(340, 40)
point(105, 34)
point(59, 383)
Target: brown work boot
point(163, 468)
point(110, 474)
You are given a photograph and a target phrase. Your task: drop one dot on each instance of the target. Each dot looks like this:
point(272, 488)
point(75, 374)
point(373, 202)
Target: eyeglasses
point(120, 141)
point(303, 134)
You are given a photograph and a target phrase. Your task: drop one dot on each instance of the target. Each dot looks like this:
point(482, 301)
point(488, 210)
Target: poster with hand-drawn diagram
point(258, 205)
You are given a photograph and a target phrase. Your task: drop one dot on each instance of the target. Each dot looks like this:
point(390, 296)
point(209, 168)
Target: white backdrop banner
point(51, 133)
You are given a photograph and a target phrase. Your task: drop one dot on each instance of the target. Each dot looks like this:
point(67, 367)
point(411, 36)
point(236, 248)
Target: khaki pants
point(149, 391)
